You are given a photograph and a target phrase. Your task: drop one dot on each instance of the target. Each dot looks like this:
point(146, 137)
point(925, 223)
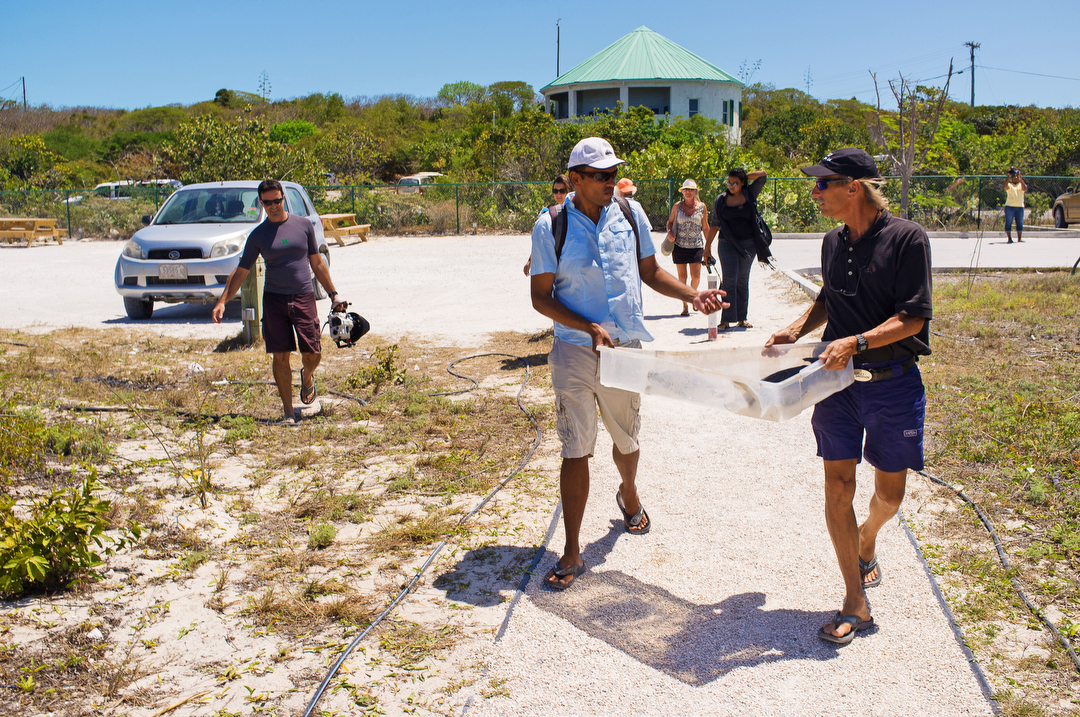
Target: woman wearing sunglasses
point(560, 187)
point(686, 229)
point(734, 216)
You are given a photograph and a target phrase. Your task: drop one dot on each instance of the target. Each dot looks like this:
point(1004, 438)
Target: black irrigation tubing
point(1064, 641)
point(431, 558)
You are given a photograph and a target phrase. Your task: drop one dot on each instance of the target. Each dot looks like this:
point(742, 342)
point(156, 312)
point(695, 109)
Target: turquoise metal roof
point(642, 55)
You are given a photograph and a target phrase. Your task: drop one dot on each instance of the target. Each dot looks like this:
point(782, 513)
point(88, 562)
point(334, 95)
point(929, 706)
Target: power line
point(1037, 74)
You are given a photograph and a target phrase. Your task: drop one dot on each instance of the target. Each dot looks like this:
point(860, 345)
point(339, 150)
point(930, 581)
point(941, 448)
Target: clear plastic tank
point(776, 383)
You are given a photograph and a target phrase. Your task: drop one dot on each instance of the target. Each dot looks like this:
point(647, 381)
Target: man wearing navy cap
point(875, 304)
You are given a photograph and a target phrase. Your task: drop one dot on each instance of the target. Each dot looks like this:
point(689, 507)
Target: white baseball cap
point(594, 152)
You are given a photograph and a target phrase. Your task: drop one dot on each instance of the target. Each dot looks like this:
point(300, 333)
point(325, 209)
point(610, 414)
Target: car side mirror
point(146, 220)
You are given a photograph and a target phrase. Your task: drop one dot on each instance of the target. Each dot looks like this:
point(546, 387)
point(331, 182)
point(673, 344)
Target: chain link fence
point(89, 213)
point(938, 203)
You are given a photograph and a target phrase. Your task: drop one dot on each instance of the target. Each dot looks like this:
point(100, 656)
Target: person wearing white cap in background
point(592, 290)
point(686, 229)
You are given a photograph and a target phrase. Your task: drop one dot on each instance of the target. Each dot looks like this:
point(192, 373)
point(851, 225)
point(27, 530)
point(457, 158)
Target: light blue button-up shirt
point(597, 276)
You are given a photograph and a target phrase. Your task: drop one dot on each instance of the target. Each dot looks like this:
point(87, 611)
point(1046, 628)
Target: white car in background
point(416, 183)
point(185, 252)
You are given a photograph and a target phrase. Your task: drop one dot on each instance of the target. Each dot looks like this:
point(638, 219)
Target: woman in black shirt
point(734, 216)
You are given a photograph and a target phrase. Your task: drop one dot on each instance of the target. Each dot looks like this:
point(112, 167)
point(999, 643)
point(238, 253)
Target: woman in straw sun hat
point(686, 229)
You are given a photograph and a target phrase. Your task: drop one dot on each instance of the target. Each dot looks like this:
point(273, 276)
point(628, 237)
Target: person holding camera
point(288, 246)
point(1015, 188)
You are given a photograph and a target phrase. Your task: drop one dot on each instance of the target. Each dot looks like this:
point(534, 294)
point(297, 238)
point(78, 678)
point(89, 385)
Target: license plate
point(172, 271)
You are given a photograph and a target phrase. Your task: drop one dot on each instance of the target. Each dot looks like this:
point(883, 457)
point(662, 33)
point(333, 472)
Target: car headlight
point(225, 247)
point(133, 250)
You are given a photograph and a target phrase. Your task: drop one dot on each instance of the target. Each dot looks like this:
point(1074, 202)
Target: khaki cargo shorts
point(575, 376)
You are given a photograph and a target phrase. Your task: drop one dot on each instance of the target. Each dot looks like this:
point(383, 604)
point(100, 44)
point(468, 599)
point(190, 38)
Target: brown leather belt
point(884, 373)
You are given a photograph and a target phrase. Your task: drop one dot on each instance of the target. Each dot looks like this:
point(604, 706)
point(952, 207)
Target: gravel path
point(715, 611)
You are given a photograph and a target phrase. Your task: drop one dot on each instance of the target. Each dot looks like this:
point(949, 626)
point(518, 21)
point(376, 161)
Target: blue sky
point(118, 53)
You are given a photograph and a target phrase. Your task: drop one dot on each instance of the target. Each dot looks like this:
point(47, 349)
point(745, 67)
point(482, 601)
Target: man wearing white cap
point(589, 283)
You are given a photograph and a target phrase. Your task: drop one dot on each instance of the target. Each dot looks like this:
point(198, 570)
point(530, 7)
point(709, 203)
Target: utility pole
point(23, 92)
point(973, 46)
point(558, 38)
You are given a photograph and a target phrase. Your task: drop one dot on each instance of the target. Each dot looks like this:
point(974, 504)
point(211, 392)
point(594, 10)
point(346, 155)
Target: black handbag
point(766, 233)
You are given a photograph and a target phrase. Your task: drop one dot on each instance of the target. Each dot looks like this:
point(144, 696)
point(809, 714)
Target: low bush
point(61, 542)
point(321, 535)
point(104, 218)
point(385, 370)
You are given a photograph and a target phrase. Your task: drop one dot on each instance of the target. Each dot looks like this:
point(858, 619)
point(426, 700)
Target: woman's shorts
point(679, 255)
point(889, 414)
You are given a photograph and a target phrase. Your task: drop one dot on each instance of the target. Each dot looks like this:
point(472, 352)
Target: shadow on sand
point(693, 643)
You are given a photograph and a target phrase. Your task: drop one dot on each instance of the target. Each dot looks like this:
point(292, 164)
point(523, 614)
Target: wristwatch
point(861, 343)
point(332, 294)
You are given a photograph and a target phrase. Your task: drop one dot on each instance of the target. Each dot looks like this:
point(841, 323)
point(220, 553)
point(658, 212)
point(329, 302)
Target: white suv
point(186, 252)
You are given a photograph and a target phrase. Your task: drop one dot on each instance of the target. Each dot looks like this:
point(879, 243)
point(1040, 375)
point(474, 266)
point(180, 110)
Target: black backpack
point(558, 225)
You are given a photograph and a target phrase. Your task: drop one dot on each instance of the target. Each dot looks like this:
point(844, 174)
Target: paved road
point(414, 285)
point(1039, 250)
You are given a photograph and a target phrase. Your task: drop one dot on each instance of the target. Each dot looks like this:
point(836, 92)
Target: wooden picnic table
point(340, 226)
point(29, 228)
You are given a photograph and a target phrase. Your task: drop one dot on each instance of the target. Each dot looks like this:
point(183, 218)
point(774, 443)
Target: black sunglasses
point(602, 177)
point(559, 191)
point(823, 184)
point(272, 202)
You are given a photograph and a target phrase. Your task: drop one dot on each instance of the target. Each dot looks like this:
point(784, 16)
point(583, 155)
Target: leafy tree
point(223, 97)
point(208, 150)
point(461, 93)
point(350, 152)
point(26, 163)
point(292, 131)
point(509, 97)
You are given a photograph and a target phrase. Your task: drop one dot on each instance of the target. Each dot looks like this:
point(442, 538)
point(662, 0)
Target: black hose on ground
point(1064, 641)
point(438, 548)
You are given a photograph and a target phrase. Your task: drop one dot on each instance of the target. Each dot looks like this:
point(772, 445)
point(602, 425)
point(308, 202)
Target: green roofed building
point(647, 69)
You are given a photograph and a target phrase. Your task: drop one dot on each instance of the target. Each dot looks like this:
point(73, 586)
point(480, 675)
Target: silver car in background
point(186, 252)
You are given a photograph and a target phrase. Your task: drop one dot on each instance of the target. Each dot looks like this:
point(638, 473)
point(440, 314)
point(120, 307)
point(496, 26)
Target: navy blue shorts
point(889, 413)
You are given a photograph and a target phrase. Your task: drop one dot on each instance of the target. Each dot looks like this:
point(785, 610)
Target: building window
point(693, 107)
point(723, 112)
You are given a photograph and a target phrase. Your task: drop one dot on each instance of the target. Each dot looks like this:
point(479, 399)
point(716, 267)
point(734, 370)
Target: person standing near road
point(590, 285)
point(1015, 188)
point(876, 306)
point(686, 229)
point(288, 246)
point(734, 216)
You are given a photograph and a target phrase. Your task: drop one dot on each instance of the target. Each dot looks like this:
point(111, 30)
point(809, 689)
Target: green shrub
point(22, 444)
point(104, 218)
point(321, 535)
point(238, 428)
point(62, 541)
point(385, 370)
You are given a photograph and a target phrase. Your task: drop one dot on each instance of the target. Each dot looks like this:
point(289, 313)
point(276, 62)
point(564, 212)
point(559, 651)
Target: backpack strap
point(559, 221)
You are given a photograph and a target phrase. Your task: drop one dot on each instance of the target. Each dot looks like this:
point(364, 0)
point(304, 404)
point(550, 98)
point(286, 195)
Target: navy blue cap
point(850, 162)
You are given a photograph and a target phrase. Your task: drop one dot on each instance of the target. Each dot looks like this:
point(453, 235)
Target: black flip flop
point(857, 625)
point(867, 568)
point(573, 571)
point(307, 395)
point(633, 522)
